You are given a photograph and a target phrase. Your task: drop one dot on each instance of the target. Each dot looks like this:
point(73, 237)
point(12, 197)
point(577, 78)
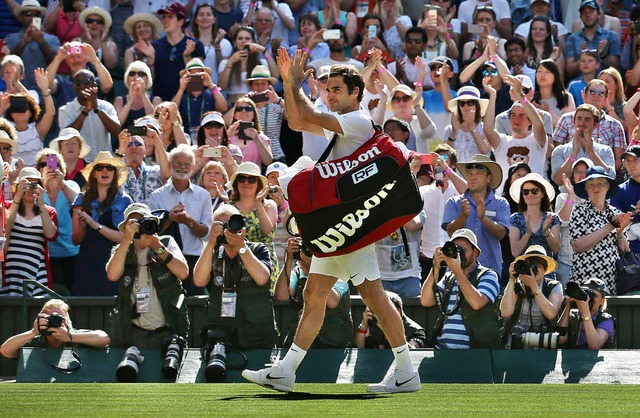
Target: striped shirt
point(454, 334)
point(271, 122)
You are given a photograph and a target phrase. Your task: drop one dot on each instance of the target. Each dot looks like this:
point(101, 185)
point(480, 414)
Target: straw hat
point(30, 5)
point(6, 139)
point(106, 16)
point(514, 190)
point(131, 21)
point(468, 93)
point(67, 134)
point(248, 169)
point(195, 64)
point(493, 167)
point(261, 72)
point(105, 157)
point(539, 252)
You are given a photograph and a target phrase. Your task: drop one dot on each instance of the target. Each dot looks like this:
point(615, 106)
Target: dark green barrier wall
point(94, 313)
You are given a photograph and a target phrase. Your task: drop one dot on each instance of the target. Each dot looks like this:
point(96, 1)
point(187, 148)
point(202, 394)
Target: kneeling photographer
point(585, 322)
point(465, 296)
point(53, 328)
point(236, 273)
point(150, 310)
point(531, 302)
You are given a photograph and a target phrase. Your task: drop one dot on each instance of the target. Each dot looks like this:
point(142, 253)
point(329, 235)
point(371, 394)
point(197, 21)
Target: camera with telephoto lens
point(55, 320)
point(172, 351)
point(451, 250)
point(234, 225)
point(215, 354)
point(543, 339)
point(148, 226)
point(575, 291)
point(127, 370)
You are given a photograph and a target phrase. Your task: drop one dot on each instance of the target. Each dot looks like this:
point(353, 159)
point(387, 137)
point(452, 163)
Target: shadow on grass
point(303, 396)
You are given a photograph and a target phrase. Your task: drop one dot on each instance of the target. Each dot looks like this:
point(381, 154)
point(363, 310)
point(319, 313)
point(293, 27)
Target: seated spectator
point(212, 133)
point(439, 39)
point(616, 96)
point(252, 141)
point(213, 178)
point(12, 73)
point(36, 47)
point(41, 335)
point(502, 15)
point(205, 27)
point(395, 25)
point(228, 14)
point(606, 20)
point(531, 302)
point(63, 22)
point(540, 44)
point(30, 123)
point(411, 70)
point(97, 212)
point(12, 165)
point(171, 127)
point(517, 59)
point(549, 93)
point(543, 8)
point(96, 24)
point(143, 28)
point(364, 43)
point(589, 326)
point(628, 196)
point(189, 209)
point(370, 334)
point(332, 14)
point(337, 327)
point(73, 148)
point(30, 225)
point(310, 37)
point(588, 66)
point(592, 224)
point(275, 191)
point(231, 261)
point(137, 102)
point(153, 266)
point(95, 119)
point(273, 22)
point(60, 195)
point(468, 285)
point(465, 134)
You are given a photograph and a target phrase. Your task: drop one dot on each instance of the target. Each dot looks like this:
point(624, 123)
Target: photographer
point(236, 273)
point(46, 332)
point(531, 301)
point(465, 295)
point(150, 306)
point(589, 326)
point(337, 327)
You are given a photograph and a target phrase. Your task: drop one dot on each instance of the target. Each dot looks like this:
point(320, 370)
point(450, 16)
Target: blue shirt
point(62, 246)
point(169, 62)
point(628, 195)
point(575, 88)
point(32, 55)
point(192, 108)
point(118, 206)
point(576, 40)
point(497, 209)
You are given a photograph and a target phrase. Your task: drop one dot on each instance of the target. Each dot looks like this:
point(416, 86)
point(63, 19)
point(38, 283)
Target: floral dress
point(537, 238)
point(254, 234)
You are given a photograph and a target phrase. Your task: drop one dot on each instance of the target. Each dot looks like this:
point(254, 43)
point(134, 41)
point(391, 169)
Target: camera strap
point(72, 366)
point(448, 289)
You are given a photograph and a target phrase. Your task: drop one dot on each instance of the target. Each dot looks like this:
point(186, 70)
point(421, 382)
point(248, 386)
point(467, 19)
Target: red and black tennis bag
point(343, 205)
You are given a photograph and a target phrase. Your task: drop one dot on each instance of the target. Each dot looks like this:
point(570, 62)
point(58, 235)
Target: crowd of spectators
point(179, 105)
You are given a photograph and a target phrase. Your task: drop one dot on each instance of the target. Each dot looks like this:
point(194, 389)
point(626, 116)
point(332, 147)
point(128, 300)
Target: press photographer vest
point(169, 290)
point(574, 329)
point(482, 325)
point(547, 287)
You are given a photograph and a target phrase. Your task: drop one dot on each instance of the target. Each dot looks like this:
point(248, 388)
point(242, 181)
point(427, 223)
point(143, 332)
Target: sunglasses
point(100, 167)
point(476, 167)
point(6, 148)
point(211, 125)
point(244, 109)
point(436, 67)
point(398, 99)
point(487, 73)
point(133, 144)
point(31, 14)
point(464, 103)
point(534, 191)
point(173, 52)
point(596, 92)
point(137, 73)
point(249, 179)
point(98, 21)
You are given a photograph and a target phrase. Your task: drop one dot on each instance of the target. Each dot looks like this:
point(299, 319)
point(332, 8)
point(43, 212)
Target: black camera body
point(55, 320)
point(172, 352)
point(215, 354)
point(234, 225)
point(303, 249)
point(575, 291)
point(127, 370)
point(523, 267)
point(451, 250)
point(148, 226)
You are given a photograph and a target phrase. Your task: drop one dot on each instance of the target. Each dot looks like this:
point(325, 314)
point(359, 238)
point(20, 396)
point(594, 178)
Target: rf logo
point(364, 173)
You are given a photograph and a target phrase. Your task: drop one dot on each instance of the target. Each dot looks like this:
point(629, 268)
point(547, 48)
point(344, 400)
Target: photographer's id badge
point(228, 306)
point(143, 300)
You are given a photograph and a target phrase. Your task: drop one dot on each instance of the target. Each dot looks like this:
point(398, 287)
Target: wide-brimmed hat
point(402, 88)
point(468, 235)
point(597, 284)
point(140, 208)
point(6, 139)
point(67, 134)
point(195, 64)
point(261, 72)
point(29, 173)
point(106, 16)
point(105, 157)
point(539, 252)
point(595, 172)
point(493, 167)
point(514, 190)
point(248, 169)
point(130, 24)
point(584, 160)
point(30, 5)
point(468, 93)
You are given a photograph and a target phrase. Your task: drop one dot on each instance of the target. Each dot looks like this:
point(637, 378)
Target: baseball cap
point(323, 72)
point(633, 150)
point(468, 235)
point(597, 284)
point(441, 60)
point(589, 3)
point(546, 1)
point(276, 167)
point(212, 117)
point(139, 208)
point(173, 8)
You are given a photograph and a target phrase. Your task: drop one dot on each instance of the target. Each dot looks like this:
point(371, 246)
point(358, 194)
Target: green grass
point(312, 400)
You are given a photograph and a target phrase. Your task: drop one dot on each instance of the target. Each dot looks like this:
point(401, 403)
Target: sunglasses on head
point(464, 103)
point(211, 125)
point(534, 191)
point(98, 21)
point(476, 167)
point(137, 73)
point(596, 92)
point(134, 144)
point(244, 109)
point(249, 179)
point(398, 99)
point(100, 167)
point(487, 73)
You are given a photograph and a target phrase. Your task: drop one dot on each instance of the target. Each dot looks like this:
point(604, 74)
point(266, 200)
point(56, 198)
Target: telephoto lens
point(173, 357)
point(216, 370)
point(127, 371)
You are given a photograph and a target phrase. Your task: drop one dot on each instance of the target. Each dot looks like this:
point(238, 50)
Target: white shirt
point(466, 9)
point(197, 202)
point(537, 154)
point(357, 128)
point(433, 235)
point(313, 145)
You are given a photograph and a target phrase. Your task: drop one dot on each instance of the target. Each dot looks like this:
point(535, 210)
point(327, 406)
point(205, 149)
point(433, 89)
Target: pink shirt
point(250, 150)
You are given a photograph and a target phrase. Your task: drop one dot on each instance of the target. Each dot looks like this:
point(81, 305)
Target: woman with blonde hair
point(616, 97)
point(395, 24)
point(171, 127)
point(138, 101)
point(213, 178)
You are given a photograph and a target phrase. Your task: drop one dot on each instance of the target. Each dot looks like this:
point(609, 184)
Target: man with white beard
point(188, 206)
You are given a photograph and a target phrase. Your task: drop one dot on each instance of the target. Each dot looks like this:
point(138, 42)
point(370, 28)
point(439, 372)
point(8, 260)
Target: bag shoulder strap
point(327, 150)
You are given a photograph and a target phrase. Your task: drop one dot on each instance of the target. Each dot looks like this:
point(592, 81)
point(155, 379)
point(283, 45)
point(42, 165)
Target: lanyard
point(189, 96)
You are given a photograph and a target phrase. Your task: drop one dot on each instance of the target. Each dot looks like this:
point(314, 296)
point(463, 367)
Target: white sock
point(403, 359)
point(293, 358)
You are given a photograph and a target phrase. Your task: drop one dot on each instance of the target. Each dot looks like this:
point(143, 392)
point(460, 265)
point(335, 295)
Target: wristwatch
point(243, 250)
point(160, 250)
point(99, 227)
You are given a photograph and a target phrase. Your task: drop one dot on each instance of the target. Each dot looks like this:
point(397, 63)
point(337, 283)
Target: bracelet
point(306, 50)
point(17, 203)
point(586, 319)
point(494, 58)
point(279, 101)
point(252, 4)
point(569, 202)
point(84, 112)
point(215, 90)
point(449, 171)
point(536, 293)
point(267, 56)
point(216, 46)
point(175, 123)
point(119, 155)
point(448, 37)
point(418, 84)
point(571, 158)
point(524, 100)
point(362, 330)
point(48, 94)
point(382, 69)
point(96, 110)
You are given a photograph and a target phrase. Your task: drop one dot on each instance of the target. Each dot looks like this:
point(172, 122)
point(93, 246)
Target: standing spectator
point(189, 207)
point(436, 100)
point(616, 96)
point(170, 125)
point(96, 24)
point(406, 69)
point(466, 134)
point(559, 32)
point(517, 59)
point(332, 14)
point(137, 102)
point(71, 145)
point(588, 66)
point(143, 28)
point(63, 21)
point(254, 144)
point(30, 225)
point(337, 55)
point(213, 134)
point(629, 194)
point(364, 43)
point(213, 178)
point(228, 15)
point(310, 38)
point(502, 11)
point(549, 92)
point(11, 164)
point(281, 19)
point(540, 44)
point(205, 28)
point(485, 17)
point(313, 145)
point(395, 24)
